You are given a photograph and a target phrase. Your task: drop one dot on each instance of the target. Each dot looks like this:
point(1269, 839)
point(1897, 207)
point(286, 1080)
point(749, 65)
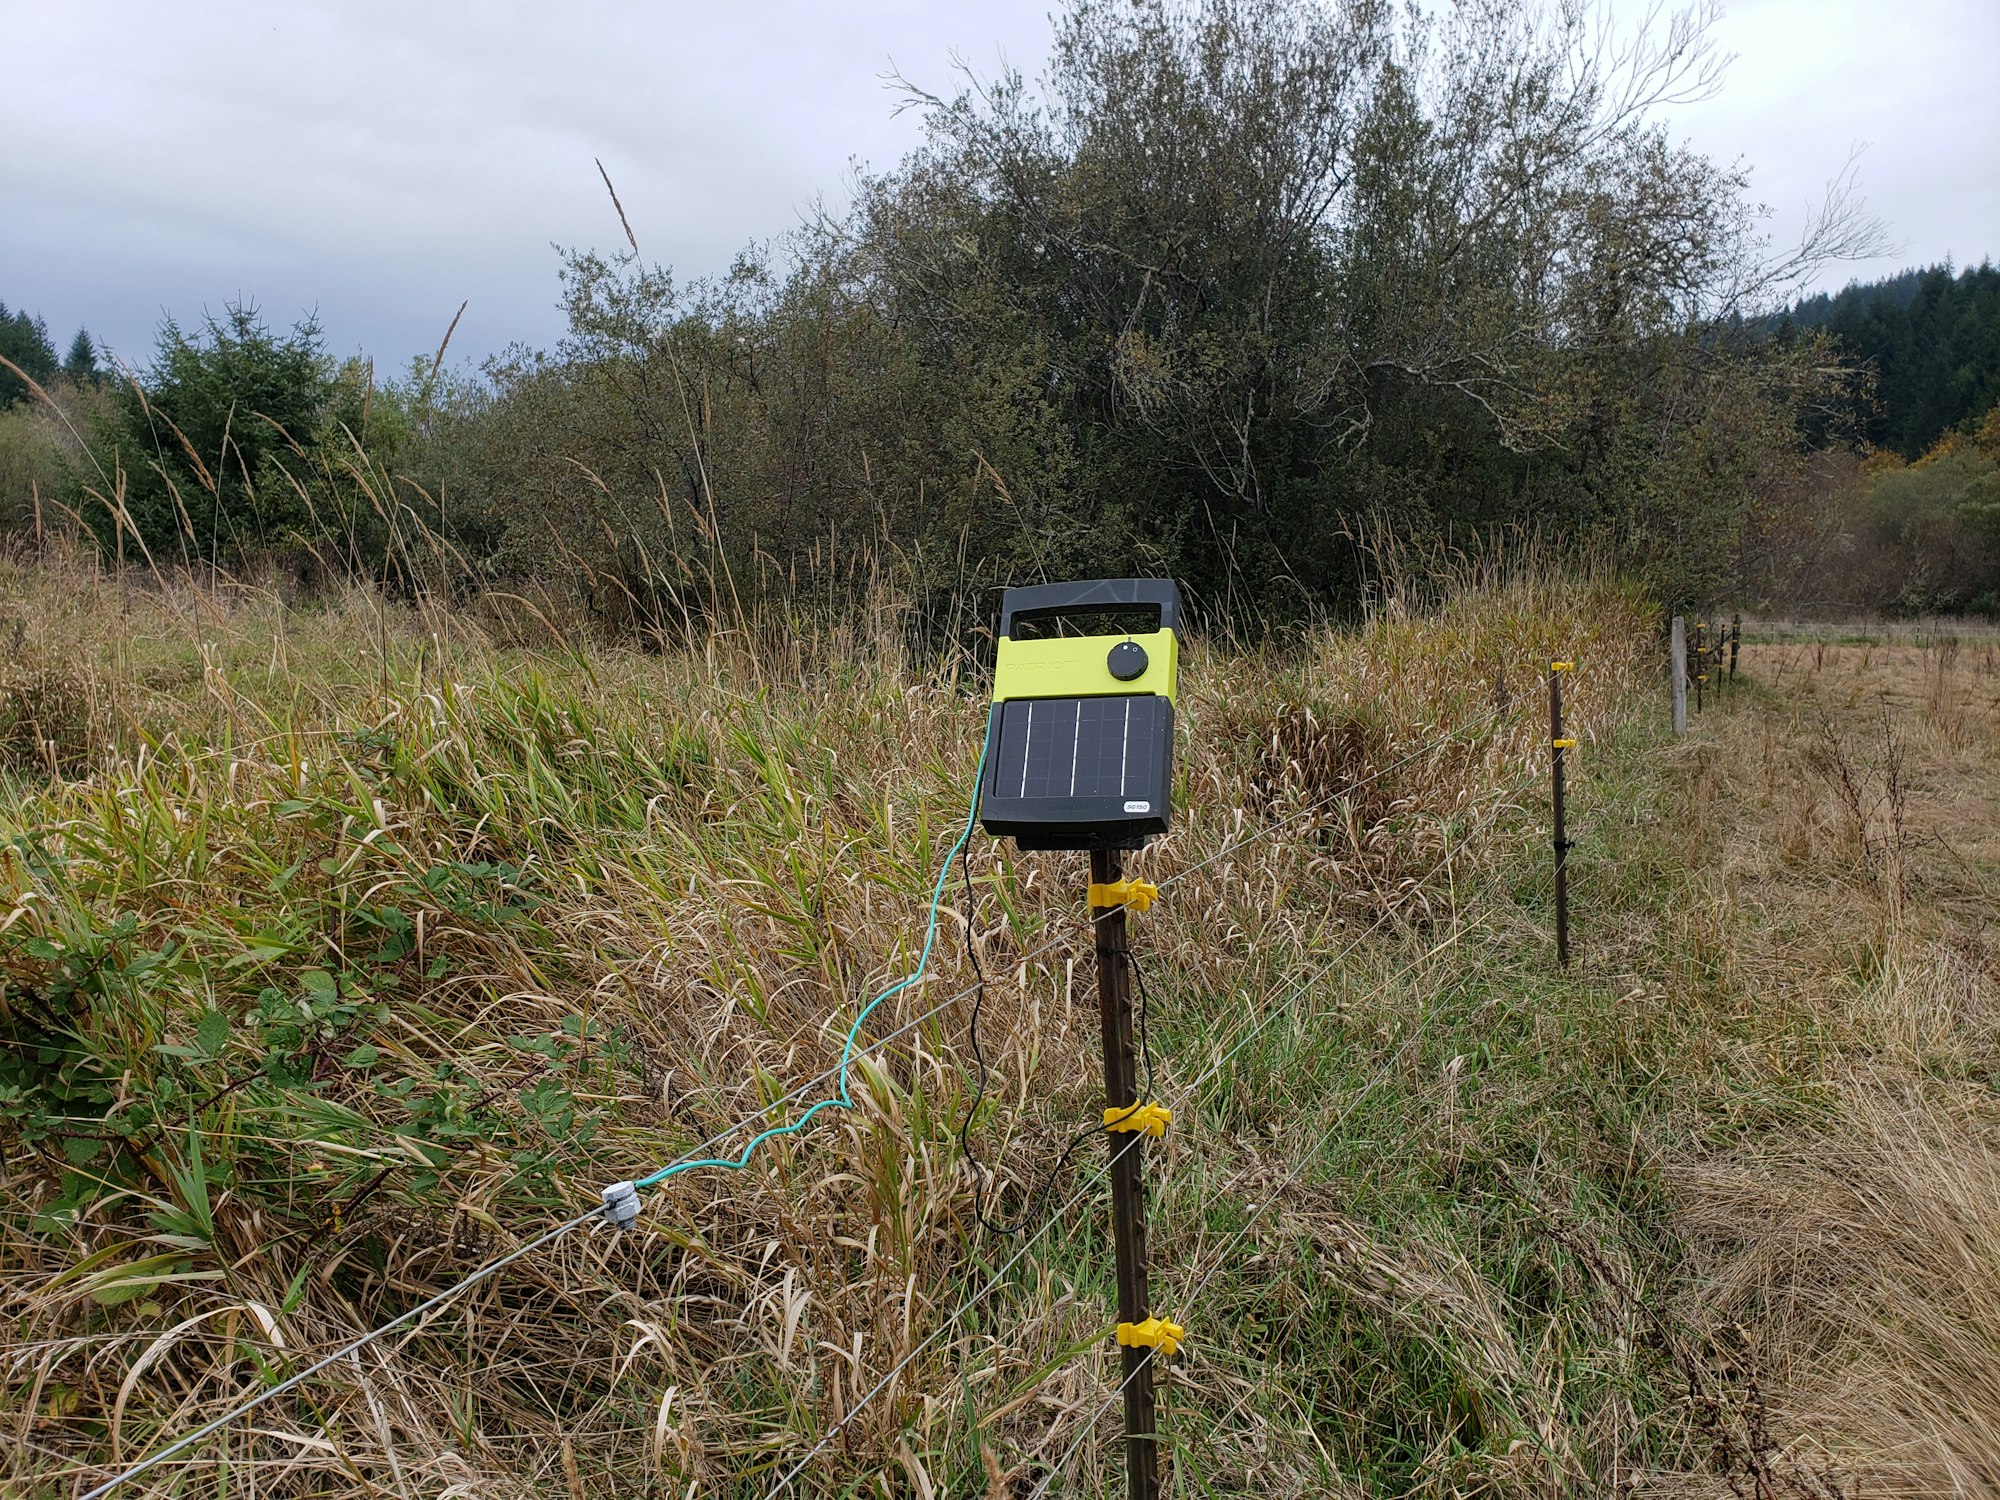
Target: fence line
point(1256, 1209)
point(1492, 715)
point(1253, 1029)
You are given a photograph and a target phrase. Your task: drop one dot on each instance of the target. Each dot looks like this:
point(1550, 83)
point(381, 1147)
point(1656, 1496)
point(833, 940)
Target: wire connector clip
point(1135, 894)
point(1562, 744)
point(1154, 1333)
point(1562, 666)
point(1152, 1119)
point(621, 1205)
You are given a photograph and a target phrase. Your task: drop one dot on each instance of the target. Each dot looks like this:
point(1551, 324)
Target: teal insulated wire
point(844, 1099)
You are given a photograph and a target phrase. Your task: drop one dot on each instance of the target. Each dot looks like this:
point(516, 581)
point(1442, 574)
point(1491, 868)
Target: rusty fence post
point(1557, 746)
point(1128, 1187)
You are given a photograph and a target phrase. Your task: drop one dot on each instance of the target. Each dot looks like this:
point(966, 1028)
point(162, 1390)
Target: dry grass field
point(345, 948)
point(1856, 866)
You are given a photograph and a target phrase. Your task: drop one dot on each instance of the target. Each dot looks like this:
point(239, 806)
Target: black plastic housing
point(1044, 601)
point(1079, 773)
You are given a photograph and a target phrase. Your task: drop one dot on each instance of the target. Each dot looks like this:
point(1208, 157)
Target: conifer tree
point(80, 364)
point(24, 342)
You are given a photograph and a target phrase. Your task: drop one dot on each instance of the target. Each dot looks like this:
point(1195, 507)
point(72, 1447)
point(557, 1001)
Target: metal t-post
point(1561, 840)
point(1735, 642)
point(1128, 1188)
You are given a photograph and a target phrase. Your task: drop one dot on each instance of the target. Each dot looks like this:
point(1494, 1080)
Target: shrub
point(239, 442)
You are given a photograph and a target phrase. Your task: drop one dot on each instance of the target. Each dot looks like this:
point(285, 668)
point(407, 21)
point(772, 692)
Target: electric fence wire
point(976, 989)
point(351, 1347)
point(980, 1173)
point(1256, 1209)
point(1194, 1296)
point(1326, 968)
point(1477, 722)
point(961, 852)
point(985, 1290)
point(473, 1278)
point(691, 1160)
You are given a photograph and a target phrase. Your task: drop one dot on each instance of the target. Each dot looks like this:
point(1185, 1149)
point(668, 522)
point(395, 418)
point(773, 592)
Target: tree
point(1931, 339)
point(1238, 281)
point(1261, 270)
point(24, 341)
point(199, 438)
point(80, 364)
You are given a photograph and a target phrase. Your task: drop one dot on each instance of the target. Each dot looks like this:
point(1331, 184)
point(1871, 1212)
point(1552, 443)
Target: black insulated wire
point(980, 1172)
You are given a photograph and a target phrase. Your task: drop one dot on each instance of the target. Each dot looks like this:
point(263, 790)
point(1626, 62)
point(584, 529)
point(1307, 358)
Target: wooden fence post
point(1680, 675)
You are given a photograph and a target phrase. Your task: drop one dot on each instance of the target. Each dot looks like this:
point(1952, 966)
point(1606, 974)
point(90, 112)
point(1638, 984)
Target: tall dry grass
point(346, 947)
point(361, 944)
point(1866, 1258)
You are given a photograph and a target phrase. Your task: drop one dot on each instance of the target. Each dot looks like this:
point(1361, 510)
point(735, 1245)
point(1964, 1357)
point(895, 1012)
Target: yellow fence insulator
point(1154, 1333)
point(1134, 895)
point(1153, 1119)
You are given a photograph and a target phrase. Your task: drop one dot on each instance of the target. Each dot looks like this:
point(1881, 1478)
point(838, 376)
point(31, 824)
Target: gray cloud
point(384, 161)
point(381, 162)
point(1914, 83)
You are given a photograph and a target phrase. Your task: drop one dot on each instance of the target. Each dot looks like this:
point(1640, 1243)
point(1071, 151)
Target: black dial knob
point(1127, 661)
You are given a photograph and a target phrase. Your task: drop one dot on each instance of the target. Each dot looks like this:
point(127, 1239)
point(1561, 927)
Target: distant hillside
point(1931, 336)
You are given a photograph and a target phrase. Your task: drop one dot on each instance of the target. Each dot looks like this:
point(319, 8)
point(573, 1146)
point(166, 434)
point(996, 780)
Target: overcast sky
point(380, 160)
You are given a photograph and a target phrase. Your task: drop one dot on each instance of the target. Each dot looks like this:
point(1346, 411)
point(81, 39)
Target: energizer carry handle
point(1081, 732)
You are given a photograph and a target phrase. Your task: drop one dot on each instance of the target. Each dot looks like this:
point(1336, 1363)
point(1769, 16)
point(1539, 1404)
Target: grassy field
point(349, 947)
